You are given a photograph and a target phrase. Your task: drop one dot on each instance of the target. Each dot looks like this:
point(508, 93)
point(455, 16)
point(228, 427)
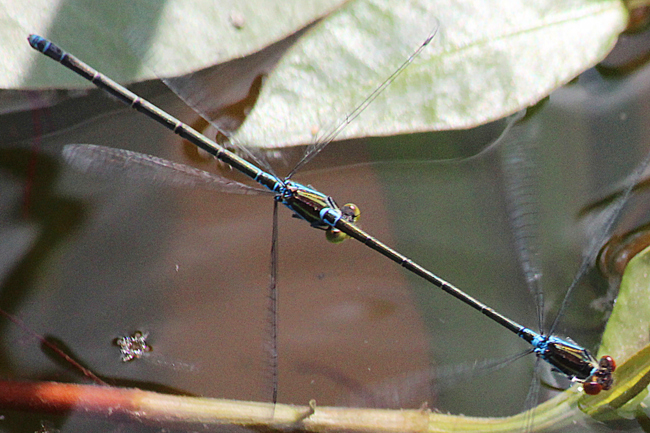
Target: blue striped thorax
point(320, 210)
point(576, 363)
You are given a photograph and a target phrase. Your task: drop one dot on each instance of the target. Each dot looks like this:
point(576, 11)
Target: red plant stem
point(61, 398)
point(134, 405)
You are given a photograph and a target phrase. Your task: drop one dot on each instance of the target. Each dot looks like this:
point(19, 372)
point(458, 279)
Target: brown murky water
point(87, 260)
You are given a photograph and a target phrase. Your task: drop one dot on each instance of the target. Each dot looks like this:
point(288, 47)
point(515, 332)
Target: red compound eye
point(607, 362)
point(592, 388)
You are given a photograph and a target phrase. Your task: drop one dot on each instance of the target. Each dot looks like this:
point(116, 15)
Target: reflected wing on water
point(519, 167)
point(314, 96)
point(225, 93)
point(109, 162)
point(413, 388)
point(601, 230)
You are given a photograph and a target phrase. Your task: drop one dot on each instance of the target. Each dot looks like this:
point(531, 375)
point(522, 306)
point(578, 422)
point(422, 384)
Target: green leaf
point(489, 59)
point(628, 326)
point(115, 37)
point(571, 406)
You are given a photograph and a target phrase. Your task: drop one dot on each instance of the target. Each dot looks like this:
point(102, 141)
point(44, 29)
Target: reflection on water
point(191, 267)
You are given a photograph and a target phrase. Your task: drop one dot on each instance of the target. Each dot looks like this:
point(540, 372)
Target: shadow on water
point(55, 218)
point(191, 267)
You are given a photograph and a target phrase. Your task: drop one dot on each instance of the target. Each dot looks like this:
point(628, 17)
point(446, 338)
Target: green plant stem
point(134, 405)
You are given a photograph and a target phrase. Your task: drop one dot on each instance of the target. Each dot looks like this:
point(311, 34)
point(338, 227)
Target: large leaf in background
point(489, 59)
point(103, 33)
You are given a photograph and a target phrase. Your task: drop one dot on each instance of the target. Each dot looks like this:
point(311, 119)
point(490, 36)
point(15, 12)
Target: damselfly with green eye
point(309, 204)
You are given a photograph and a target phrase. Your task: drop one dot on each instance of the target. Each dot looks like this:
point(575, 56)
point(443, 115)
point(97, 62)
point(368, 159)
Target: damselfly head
point(602, 380)
point(351, 213)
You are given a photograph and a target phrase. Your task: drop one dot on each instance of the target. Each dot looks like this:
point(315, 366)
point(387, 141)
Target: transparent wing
point(110, 162)
point(331, 135)
point(272, 342)
point(532, 399)
point(413, 388)
point(225, 113)
point(521, 181)
point(601, 231)
point(222, 94)
point(363, 68)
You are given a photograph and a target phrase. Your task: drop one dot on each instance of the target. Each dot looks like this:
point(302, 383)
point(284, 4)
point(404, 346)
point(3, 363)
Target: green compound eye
point(351, 214)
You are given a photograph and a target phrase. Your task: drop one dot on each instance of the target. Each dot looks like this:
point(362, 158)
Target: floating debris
point(134, 346)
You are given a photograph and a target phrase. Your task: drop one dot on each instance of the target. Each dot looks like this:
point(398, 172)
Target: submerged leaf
point(117, 37)
point(488, 59)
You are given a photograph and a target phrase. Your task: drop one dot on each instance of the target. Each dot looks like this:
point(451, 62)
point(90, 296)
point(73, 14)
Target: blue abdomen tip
point(38, 43)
